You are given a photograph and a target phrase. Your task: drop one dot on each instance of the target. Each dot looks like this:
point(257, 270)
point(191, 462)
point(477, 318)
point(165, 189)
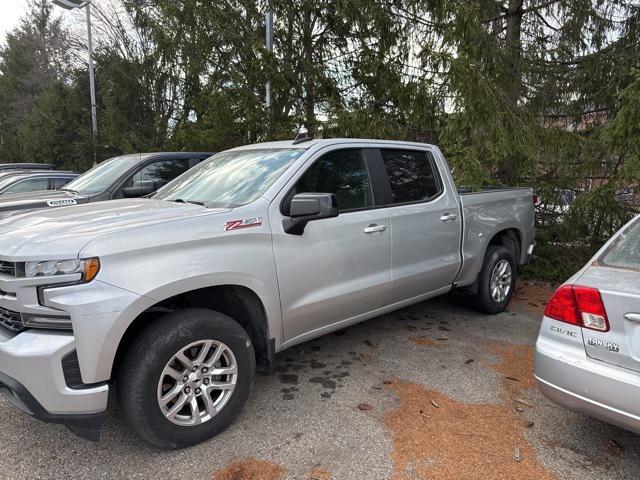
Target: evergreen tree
point(33, 57)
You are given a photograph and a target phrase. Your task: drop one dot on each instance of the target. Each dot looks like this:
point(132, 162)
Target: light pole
point(269, 45)
point(71, 5)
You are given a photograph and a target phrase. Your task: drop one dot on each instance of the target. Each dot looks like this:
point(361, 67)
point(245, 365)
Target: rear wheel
point(186, 377)
point(496, 281)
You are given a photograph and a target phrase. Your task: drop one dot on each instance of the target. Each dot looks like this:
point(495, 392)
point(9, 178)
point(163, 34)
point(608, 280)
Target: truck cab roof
point(320, 142)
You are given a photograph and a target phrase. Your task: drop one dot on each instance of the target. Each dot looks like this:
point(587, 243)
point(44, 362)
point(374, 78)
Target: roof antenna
point(302, 137)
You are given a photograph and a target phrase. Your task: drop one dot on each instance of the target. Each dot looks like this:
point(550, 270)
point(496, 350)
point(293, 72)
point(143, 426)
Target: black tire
point(139, 373)
point(483, 300)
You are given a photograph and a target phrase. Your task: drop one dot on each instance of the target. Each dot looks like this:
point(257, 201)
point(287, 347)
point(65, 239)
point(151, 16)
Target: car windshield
point(624, 251)
point(100, 177)
point(230, 179)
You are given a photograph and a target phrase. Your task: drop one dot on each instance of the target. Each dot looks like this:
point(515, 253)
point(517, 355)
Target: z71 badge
point(245, 223)
point(61, 203)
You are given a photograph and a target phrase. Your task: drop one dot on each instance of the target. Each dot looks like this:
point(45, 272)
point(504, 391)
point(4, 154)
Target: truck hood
point(15, 203)
point(57, 233)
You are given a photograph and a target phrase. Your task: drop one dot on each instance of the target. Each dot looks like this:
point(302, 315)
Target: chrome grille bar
point(11, 320)
point(8, 268)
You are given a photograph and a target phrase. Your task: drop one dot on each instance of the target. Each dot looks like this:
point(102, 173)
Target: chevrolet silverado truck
point(126, 176)
point(175, 300)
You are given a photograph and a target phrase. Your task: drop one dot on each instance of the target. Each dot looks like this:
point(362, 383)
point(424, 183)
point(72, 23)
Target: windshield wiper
point(182, 200)
point(68, 190)
point(223, 205)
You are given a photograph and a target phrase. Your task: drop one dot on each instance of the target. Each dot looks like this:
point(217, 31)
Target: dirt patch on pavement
point(532, 296)
point(320, 474)
point(516, 364)
point(436, 437)
point(250, 469)
point(424, 341)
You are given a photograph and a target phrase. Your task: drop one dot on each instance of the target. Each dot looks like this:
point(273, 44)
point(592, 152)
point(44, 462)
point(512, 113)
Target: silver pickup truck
point(177, 299)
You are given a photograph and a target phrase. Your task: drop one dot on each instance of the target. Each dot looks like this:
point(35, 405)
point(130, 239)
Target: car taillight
point(578, 305)
point(562, 306)
point(591, 308)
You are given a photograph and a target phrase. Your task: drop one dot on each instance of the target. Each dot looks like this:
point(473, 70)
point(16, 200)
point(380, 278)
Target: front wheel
point(185, 377)
point(496, 280)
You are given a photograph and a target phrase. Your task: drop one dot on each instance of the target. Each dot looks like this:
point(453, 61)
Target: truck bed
point(486, 210)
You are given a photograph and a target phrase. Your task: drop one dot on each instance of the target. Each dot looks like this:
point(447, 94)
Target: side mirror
point(307, 207)
point(140, 188)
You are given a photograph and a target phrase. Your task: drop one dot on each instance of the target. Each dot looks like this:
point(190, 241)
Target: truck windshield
point(100, 177)
point(230, 179)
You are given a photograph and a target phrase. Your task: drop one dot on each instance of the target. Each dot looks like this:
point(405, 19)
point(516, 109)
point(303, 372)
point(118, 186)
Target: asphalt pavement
point(436, 390)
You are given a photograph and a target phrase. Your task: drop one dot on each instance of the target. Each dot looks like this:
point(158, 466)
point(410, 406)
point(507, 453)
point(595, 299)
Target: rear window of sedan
point(624, 251)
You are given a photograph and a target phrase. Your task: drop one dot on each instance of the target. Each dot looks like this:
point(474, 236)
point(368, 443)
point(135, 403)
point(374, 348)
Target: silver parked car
point(588, 349)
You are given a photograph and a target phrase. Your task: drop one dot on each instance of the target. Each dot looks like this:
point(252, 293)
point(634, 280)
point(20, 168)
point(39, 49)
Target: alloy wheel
point(501, 278)
point(197, 382)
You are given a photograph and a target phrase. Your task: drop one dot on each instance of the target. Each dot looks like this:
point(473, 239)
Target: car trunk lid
point(620, 292)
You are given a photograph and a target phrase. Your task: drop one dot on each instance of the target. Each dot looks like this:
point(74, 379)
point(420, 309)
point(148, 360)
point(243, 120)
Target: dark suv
point(126, 176)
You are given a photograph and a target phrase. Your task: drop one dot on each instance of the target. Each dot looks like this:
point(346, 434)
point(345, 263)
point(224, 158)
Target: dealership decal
point(612, 347)
point(245, 223)
point(61, 203)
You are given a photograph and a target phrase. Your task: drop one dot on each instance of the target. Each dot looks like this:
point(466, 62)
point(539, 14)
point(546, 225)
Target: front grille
point(8, 268)
point(11, 320)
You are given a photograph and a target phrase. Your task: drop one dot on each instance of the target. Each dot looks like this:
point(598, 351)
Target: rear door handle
point(633, 317)
point(373, 228)
point(448, 217)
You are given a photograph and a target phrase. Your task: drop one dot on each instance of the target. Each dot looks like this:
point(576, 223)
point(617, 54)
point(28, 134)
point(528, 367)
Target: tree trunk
point(514, 77)
point(514, 50)
point(309, 97)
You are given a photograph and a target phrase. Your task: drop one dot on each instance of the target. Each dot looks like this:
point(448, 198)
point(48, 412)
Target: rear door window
point(412, 174)
point(624, 251)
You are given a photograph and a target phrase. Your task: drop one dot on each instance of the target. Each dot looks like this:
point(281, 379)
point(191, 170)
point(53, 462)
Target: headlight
point(88, 267)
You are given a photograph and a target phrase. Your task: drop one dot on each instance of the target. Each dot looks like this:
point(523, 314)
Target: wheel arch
point(508, 236)
point(511, 238)
point(236, 301)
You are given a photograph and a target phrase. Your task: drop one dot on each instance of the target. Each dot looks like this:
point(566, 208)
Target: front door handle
point(373, 228)
point(633, 317)
point(448, 217)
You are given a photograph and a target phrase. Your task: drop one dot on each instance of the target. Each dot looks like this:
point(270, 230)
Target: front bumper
point(33, 362)
point(32, 379)
point(576, 382)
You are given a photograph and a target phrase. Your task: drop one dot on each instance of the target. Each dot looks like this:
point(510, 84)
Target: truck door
point(339, 268)
point(425, 224)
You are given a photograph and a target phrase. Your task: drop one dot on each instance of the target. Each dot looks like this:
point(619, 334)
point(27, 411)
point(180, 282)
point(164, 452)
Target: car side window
point(30, 185)
point(342, 172)
point(160, 173)
point(59, 182)
point(412, 174)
